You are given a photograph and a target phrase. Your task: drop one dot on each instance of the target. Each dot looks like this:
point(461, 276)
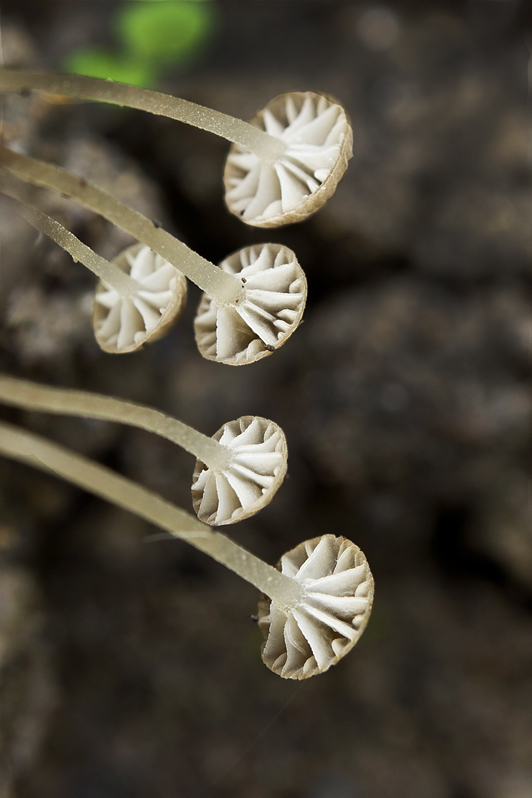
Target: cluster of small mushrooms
point(282, 166)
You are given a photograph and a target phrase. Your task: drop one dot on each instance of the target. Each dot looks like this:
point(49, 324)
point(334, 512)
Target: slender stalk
point(224, 288)
point(248, 136)
point(106, 271)
point(101, 481)
point(31, 396)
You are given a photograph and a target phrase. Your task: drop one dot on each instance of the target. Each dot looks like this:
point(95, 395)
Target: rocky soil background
point(131, 668)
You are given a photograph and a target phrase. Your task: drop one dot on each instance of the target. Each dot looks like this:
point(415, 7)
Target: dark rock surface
point(131, 668)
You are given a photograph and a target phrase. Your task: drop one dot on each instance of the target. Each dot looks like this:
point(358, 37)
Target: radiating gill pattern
point(275, 292)
point(318, 139)
point(256, 469)
point(124, 323)
point(307, 639)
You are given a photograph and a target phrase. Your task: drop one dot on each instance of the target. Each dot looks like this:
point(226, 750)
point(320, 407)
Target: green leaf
point(97, 63)
point(165, 33)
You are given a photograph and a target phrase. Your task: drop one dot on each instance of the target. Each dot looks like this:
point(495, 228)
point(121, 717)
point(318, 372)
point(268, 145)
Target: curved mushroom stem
point(101, 481)
point(249, 137)
point(224, 288)
point(29, 395)
point(111, 274)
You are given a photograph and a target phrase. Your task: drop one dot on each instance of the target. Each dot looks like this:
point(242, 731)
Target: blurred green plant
point(154, 35)
point(99, 63)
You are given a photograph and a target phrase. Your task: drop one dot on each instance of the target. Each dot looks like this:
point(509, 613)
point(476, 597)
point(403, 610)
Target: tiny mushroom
point(306, 638)
point(257, 458)
point(238, 471)
point(318, 143)
point(139, 297)
point(253, 303)
point(123, 322)
point(283, 165)
point(319, 604)
point(270, 308)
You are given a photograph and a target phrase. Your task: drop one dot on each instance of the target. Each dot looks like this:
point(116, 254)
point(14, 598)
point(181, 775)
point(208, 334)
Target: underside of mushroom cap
point(275, 292)
point(319, 141)
point(125, 324)
point(304, 640)
point(256, 468)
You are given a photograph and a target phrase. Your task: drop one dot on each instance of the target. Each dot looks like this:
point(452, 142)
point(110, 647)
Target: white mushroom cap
point(255, 470)
point(306, 639)
point(125, 324)
point(318, 139)
point(275, 292)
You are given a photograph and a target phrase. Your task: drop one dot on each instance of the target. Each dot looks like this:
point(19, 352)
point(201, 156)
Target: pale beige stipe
point(282, 167)
point(313, 607)
point(319, 603)
point(155, 102)
point(258, 296)
point(225, 288)
point(95, 478)
point(238, 471)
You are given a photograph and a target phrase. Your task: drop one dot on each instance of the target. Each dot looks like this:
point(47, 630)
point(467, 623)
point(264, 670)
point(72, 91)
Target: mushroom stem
point(101, 481)
point(111, 275)
point(31, 396)
point(224, 288)
point(249, 137)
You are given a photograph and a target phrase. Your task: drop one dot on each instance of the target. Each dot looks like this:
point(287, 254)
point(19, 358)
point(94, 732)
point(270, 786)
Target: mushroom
point(139, 297)
point(275, 292)
point(321, 600)
point(238, 471)
point(305, 639)
point(283, 165)
point(318, 144)
point(257, 458)
point(124, 323)
point(258, 296)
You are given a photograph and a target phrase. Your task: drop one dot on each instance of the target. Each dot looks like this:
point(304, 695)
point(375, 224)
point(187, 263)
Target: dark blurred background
point(131, 668)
